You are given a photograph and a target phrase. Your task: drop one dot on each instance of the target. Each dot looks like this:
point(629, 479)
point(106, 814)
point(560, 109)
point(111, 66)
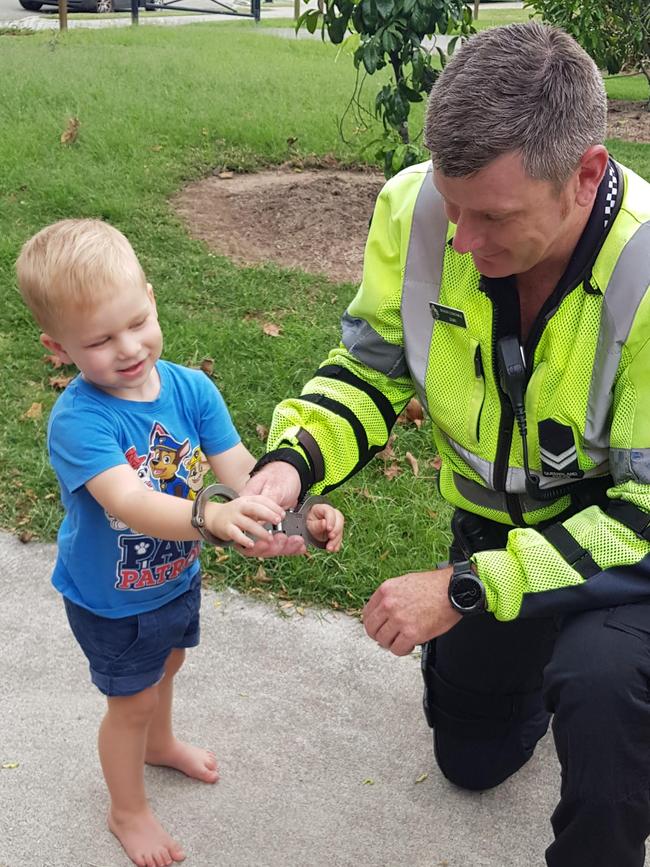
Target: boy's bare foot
point(144, 839)
point(194, 761)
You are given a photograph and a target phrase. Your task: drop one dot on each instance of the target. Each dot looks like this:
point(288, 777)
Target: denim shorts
point(128, 654)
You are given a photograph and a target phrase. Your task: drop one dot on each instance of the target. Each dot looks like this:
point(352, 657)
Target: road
point(10, 10)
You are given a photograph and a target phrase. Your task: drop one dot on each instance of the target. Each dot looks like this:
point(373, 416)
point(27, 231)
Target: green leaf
point(369, 15)
point(397, 160)
point(337, 29)
point(389, 41)
point(385, 8)
point(311, 20)
point(349, 45)
point(370, 57)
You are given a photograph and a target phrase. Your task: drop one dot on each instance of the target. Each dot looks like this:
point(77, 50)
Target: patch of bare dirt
point(314, 220)
point(628, 120)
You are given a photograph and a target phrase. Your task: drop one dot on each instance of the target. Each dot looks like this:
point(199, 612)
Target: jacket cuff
point(297, 460)
point(489, 565)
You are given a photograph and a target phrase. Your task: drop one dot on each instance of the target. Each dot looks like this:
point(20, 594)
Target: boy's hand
point(281, 482)
point(326, 523)
point(245, 515)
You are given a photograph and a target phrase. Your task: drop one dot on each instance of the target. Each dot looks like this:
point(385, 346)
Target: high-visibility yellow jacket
point(425, 322)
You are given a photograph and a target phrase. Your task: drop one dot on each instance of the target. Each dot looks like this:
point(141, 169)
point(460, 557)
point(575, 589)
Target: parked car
point(84, 5)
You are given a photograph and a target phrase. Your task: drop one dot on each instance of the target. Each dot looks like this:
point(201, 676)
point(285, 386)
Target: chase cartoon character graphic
point(178, 469)
point(165, 458)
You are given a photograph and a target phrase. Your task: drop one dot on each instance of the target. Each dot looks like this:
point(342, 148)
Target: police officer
point(505, 283)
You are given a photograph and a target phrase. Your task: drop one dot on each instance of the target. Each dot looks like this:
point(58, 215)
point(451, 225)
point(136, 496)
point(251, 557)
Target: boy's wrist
point(205, 515)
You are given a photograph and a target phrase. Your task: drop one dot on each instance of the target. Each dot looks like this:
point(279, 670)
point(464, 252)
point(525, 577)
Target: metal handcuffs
point(294, 523)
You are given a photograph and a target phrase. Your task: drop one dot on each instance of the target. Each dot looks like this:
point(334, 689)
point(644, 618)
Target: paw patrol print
point(142, 548)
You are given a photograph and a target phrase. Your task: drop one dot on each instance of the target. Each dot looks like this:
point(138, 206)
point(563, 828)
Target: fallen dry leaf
point(366, 493)
point(368, 782)
point(26, 536)
point(60, 381)
point(225, 175)
point(262, 431)
point(261, 576)
point(413, 463)
point(70, 133)
point(413, 413)
point(9, 766)
point(392, 470)
point(34, 412)
point(207, 366)
point(421, 778)
point(387, 454)
point(436, 463)
point(271, 329)
point(53, 360)
point(156, 148)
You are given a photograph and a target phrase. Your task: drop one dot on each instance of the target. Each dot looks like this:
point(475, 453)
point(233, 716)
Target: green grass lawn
point(156, 108)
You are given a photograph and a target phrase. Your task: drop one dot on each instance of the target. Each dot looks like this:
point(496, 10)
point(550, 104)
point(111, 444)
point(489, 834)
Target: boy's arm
point(232, 467)
point(122, 494)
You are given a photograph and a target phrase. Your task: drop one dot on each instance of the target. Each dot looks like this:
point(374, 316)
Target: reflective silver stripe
point(516, 477)
point(362, 341)
point(625, 291)
point(630, 465)
point(422, 277)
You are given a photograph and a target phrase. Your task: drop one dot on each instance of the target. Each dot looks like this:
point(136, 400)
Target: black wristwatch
point(466, 590)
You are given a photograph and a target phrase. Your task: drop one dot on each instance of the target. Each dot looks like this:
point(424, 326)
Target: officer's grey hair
point(523, 87)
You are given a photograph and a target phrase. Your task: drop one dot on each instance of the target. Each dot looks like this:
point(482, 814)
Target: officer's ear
point(590, 172)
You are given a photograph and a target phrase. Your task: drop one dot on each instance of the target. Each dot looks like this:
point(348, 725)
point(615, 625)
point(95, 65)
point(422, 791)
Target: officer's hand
point(410, 610)
point(281, 483)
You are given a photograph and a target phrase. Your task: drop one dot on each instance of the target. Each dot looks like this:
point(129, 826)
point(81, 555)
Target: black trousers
point(491, 689)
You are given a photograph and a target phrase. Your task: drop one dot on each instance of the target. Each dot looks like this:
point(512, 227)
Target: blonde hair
point(73, 264)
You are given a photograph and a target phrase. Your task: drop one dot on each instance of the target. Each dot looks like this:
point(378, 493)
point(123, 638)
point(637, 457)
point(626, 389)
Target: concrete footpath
point(319, 734)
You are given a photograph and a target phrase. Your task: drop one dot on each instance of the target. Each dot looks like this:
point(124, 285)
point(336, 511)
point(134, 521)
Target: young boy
point(121, 440)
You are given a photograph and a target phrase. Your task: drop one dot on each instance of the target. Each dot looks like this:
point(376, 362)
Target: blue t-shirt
point(102, 564)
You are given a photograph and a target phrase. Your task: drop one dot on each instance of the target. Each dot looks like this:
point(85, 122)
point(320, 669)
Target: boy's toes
point(176, 852)
point(163, 858)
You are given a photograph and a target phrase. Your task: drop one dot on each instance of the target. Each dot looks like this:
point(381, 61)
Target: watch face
point(466, 592)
